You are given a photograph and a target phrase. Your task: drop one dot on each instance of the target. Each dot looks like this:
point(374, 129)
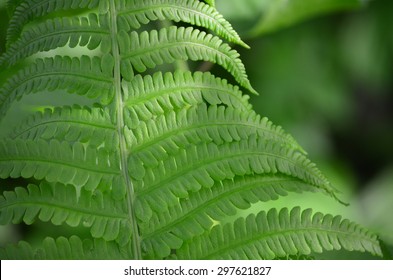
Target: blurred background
point(324, 71)
point(326, 76)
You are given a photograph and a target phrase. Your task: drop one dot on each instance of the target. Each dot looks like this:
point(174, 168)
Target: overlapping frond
point(279, 234)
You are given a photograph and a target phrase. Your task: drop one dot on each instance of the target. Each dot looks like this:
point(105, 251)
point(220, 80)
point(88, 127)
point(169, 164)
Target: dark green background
point(329, 82)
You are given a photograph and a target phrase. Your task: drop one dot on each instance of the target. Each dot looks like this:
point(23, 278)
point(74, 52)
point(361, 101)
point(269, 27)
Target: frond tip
point(134, 14)
point(140, 51)
point(275, 234)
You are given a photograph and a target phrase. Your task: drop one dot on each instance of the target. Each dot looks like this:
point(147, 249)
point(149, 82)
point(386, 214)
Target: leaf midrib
point(104, 214)
point(61, 163)
point(119, 105)
point(43, 123)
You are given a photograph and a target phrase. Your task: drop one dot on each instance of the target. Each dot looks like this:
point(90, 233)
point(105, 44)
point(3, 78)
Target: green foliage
point(159, 159)
point(271, 235)
point(282, 13)
point(278, 14)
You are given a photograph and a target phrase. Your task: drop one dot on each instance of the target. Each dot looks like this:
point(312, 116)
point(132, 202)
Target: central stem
point(135, 243)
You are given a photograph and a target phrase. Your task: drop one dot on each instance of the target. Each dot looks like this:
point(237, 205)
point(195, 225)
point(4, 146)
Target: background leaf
point(264, 16)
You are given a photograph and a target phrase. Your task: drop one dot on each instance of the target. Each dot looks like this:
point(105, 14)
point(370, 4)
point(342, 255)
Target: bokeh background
point(326, 76)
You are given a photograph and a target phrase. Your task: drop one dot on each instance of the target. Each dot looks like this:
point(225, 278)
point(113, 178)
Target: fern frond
point(134, 13)
point(59, 162)
point(150, 96)
point(157, 164)
point(165, 135)
point(200, 166)
point(85, 31)
point(271, 235)
point(84, 76)
point(90, 31)
point(167, 230)
point(61, 204)
point(30, 10)
point(93, 126)
point(66, 249)
point(149, 49)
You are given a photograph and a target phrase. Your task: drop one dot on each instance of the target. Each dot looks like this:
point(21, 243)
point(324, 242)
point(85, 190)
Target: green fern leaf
point(88, 31)
point(93, 126)
point(65, 249)
point(61, 204)
point(133, 14)
point(200, 166)
point(157, 162)
point(26, 11)
point(57, 161)
point(149, 49)
point(198, 212)
point(271, 235)
point(199, 124)
point(83, 76)
point(150, 96)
